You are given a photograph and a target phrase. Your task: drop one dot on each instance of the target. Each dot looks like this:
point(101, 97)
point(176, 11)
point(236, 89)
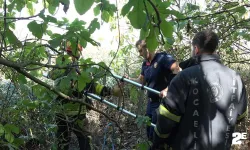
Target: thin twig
point(3, 44)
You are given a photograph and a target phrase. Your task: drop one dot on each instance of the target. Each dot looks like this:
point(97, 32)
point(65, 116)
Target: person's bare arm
point(140, 79)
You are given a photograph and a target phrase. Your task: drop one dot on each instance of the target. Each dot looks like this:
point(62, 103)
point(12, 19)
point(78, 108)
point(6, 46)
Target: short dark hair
point(206, 40)
point(140, 42)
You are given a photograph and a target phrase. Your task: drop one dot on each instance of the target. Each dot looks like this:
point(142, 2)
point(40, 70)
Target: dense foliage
point(27, 97)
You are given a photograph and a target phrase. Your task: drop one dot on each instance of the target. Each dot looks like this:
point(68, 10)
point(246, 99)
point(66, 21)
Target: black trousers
point(66, 128)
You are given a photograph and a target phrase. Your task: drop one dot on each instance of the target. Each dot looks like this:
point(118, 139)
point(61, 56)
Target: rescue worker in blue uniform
point(158, 68)
point(203, 103)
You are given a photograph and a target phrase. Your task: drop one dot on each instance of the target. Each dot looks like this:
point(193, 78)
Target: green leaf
point(66, 2)
point(12, 38)
point(30, 8)
point(144, 32)
point(230, 5)
point(142, 146)
point(63, 61)
point(70, 106)
point(41, 52)
point(10, 6)
point(93, 26)
point(102, 64)
point(137, 18)
point(182, 24)
point(9, 137)
point(51, 19)
point(76, 25)
point(86, 36)
point(170, 40)
point(19, 5)
point(21, 78)
point(1, 130)
point(18, 142)
point(126, 8)
point(83, 43)
point(49, 33)
point(165, 4)
point(140, 120)
point(176, 13)
point(83, 79)
point(55, 42)
point(11, 128)
point(52, 9)
point(65, 85)
point(105, 16)
point(54, 3)
point(111, 8)
point(151, 40)
point(241, 10)
point(167, 28)
point(82, 6)
point(150, 8)
point(97, 10)
point(25, 102)
point(37, 29)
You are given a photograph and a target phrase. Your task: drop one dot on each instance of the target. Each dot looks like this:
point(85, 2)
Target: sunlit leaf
point(19, 5)
point(137, 18)
point(167, 28)
point(82, 80)
point(126, 8)
point(97, 10)
point(52, 9)
point(151, 40)
point(37, 29)
point(30, 8)
point(9, 137)
point(82, 6)
point(105, 16)
point(230, 5)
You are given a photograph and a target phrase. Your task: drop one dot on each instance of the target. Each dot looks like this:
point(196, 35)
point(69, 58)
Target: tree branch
point(216, 13)
point(25, 18)
point(3, 44)
point(36, 80)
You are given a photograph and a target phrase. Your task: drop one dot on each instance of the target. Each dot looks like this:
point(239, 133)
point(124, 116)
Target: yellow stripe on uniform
point(159, 134)
point(243, 115)
point(98, 89)
point(164, 112)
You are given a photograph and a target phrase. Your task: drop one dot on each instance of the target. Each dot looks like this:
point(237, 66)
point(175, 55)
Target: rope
point(105, 138)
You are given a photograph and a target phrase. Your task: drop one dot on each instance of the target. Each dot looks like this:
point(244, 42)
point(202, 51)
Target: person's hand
point(163, 93)
point(126, 76)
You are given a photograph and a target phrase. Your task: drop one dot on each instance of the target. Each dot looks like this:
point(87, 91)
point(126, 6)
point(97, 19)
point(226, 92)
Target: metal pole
point(113, 105)
point(137, 84)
